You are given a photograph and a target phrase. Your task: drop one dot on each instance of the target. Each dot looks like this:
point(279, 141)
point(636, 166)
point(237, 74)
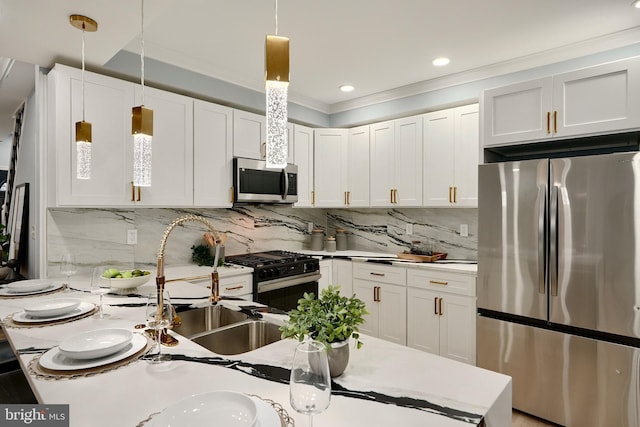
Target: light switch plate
point(409, 229)
point(464, 230)
point(132, 237)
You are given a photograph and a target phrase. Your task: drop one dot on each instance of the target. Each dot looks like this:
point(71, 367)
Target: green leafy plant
point(201, 255)
point(328, 319)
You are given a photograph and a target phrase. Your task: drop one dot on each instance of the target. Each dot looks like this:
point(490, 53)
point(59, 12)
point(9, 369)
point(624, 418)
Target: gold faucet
point(212, 238)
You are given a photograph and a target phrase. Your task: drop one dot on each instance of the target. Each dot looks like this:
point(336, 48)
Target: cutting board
point(423, 258)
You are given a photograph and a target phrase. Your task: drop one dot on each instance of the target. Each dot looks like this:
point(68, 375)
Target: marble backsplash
point(98, 236)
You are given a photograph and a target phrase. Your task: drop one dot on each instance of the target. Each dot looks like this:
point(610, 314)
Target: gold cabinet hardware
point(395, 196)
point(376, 274)
point(555, 122)
point(437, 282)
point(263, 150)
point(313, 197)
point(133, 192)
point(548, 122)
point(440, 306)
point(348, 197)
point(375, 294)
point(233, 288)
point(379, 299)
point(232, 193)
point(391, 196)
point(455, 194)
point(435, 305)
point(139, 191)
point(450, 199)
point(345, 198)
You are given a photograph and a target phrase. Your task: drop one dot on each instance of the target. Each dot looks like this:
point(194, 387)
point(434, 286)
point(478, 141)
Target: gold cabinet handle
point(455, 194)
point(391, 196)
point(450, 195)
point(348, 197)
point(376, 274)
point(139, 191)
point(395, 196)
point(313, 197)
point(233, 288)
point(345, 198)
point(435, 306)
point(440, 306)
point(232, 193)
point(379, 299)
point(548, 122)
point(437, 282)
point(555, 122)
point(263, 150)
point(133, 192)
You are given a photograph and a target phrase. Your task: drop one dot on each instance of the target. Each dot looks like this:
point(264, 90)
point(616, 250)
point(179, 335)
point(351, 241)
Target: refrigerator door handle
point(553, 241)
point(542, 260)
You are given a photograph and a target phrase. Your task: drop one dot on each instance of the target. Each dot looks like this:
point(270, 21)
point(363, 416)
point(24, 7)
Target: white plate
point(54, 360)
point(130, 283)
point(95, 344)
point(267, 416)
point(52, 308)
point(226, 408)
point(52, 286)
point(22, 286)
point(83, 308)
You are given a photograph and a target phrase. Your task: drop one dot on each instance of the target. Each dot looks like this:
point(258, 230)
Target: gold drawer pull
point(376, 274)
point(548, 122)
point(440, 306)
point(437, 282)
point(555, 122)
point(233, 288)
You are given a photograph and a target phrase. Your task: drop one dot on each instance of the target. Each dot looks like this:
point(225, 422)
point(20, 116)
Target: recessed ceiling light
point(347, 88)
point(636, 4)
point(439, 62)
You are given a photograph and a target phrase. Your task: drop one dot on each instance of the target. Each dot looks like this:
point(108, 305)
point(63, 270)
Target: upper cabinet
point(172, 152)
point(212, 155)
point(330, 167)
point(396, 162)
point(108, 104)
point(250, 137)
point(303, 158)
point(358, 167)
point(590, 101)
point(451, 157)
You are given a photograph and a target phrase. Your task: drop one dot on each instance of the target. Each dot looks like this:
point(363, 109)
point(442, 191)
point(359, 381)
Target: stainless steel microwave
point(253, 182)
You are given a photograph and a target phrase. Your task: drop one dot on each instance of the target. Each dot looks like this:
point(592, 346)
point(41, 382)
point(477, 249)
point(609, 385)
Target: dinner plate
point(56, 361)
point(95, 344)
point(22, 286)
point(83, 308)
point(52, 286)
point(226, 408)
point(51, 308)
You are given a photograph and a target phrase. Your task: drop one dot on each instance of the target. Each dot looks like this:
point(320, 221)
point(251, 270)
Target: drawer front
point(461, 284)
point(380, 273)
point(236, 286)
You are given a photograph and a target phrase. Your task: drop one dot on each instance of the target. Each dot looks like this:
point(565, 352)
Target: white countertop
point(139, 389)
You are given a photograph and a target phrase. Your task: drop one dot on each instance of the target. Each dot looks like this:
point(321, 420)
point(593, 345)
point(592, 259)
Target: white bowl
point(29, 285)
point(225, 408)
point(130, 283)
point(52, 308)
point(95, 344)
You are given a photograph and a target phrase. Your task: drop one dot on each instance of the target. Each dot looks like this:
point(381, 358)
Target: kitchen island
point(384, 383)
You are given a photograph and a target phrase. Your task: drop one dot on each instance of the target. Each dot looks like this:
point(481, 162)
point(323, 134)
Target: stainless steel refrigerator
point(559, 285)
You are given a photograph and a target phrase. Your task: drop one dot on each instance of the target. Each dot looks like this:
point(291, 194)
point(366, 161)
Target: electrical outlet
point(132, 237)
point(310, 227)
point(464, 230)
point(408, 229)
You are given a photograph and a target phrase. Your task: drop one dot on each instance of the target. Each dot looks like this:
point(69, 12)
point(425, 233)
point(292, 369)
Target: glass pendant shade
point(276, 85)
point(142, 129)
point(83, 150)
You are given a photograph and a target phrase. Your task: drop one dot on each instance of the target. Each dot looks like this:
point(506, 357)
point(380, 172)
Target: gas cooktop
point(267, 258)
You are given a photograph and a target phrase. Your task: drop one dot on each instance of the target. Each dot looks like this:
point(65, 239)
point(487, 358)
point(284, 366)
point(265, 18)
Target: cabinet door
point(458, 328)
point(383, 161)
point(290, 142)
point(172, 152)
point(343, 276)
point(466, 156)
point(517, 113)
point(303, 158)
point(392, 318)
point(108, 104)
point(438, 157)
point(212, 155)
point(249, 138)
point(597, 99)
point(326, 275)
point(408, 161)
point(330, 154)
point(358, 167)
point(423, 321)
point(363, 290)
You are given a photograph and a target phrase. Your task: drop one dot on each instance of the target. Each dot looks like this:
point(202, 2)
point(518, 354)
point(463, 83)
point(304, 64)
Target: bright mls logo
point(34, 415)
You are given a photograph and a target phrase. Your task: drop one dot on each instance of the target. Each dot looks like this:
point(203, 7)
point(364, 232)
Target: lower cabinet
point(342, 275)
point(326, 274)
point(441, 314)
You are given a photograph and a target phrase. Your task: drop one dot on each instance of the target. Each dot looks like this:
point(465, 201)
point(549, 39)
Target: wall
point(98, 236)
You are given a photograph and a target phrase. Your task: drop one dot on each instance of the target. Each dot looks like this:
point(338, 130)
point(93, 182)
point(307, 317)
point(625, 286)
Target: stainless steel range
point(280, 278)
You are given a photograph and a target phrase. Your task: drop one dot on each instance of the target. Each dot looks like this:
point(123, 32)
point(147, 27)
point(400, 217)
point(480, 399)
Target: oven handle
point(272, 285)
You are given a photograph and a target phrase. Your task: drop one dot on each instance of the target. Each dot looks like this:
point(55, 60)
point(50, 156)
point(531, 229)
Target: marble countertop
point(384, 383)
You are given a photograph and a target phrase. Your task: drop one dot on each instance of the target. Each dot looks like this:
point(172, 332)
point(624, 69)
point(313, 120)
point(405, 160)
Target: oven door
point(285, 293)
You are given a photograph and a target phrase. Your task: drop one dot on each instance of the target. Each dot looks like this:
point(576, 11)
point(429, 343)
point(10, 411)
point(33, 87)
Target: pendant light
point(276, 86)
point(83, 128)
point(142, 128)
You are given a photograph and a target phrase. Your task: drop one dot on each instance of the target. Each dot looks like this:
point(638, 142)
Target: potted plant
point(331, 319)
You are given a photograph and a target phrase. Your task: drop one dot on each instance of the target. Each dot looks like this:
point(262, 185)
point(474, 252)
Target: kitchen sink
point(205, 319)
point(239, 338)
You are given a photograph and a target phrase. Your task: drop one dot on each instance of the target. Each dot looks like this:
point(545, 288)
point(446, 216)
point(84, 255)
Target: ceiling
point(375, 45)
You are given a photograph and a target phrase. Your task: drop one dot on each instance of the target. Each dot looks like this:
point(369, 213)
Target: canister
point(317, 239)
point(331, 244)
point(341, 239)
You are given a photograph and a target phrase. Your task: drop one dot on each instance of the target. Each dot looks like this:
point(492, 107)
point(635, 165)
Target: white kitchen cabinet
point(396, 163)
point(237, 286)
point(384, 292)
point(342, 273)
point(326, 274)
point(250, 137)
point(330, 167)
point(172, 152)
point(441, 313)
point(451, 157)
point(212, 155)
point(357, 186)
point(303, 158)
point(590, 101)
point(108, 104)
